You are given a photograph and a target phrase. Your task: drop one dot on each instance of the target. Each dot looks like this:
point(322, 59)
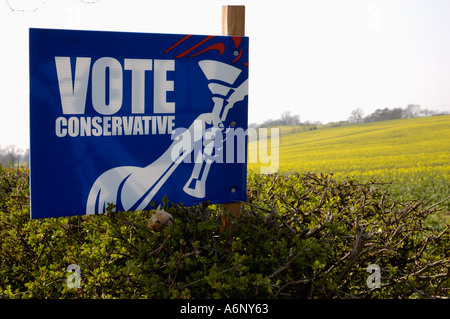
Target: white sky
point(319, 59)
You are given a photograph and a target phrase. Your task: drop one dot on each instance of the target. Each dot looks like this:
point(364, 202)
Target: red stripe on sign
point(217, 46)
point(237, 41)
point(176, 44)
point(194, 47)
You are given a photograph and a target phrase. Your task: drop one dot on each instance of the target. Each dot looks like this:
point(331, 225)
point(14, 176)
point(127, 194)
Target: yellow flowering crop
point(413, 153)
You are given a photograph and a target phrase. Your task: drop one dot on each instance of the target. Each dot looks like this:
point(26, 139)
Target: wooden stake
point(233, 23)
point(233, 20)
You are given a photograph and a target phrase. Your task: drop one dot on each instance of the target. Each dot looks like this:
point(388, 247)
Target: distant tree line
point(286, 119)
point(356, 116)
point(412, 110)
point(14, 155)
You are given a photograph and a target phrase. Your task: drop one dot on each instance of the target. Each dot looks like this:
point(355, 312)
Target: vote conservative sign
point(126, 118)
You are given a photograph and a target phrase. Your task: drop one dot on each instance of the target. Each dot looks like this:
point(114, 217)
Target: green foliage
point(299, 236)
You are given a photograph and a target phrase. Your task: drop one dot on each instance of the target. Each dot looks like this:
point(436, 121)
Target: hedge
point(298, 236)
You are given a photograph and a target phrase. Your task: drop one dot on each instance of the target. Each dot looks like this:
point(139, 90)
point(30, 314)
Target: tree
point(26, 157)
point(396, 113)
point(288, 119)
point(356, 116)
point(12, 154)
point(412, 110)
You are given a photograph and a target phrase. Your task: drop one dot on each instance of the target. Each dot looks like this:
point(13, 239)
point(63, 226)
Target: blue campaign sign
point(126, 118)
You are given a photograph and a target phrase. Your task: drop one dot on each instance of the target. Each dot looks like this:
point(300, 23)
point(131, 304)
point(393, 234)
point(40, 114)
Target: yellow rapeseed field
point(413, 153)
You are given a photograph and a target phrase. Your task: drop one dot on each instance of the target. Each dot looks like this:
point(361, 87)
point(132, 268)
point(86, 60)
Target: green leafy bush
point(298, 236)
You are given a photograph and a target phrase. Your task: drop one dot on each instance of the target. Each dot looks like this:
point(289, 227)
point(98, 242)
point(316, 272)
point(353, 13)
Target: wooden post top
point(233, 20)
